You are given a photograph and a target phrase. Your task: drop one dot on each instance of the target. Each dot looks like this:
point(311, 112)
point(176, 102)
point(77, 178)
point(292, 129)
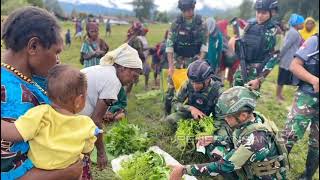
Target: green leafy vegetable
point(190, 129)
point(125, 138)
point(148, 165)
point(148, 95)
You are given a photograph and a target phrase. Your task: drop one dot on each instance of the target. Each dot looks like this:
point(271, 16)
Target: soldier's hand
point(205, 141)
point(171, 71)
point(254, 84)
point(315, 85)
point(196, 113)
point(177, 172)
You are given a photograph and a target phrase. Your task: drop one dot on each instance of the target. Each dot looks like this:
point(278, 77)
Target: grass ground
point(147, 113)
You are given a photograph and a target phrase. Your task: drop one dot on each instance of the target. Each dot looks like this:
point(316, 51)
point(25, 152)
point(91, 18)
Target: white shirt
point(103, 83)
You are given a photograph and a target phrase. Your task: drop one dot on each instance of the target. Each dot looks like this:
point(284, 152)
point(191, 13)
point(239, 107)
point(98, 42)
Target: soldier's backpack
point(274, 166)
point(188, 41)
point(255, 43)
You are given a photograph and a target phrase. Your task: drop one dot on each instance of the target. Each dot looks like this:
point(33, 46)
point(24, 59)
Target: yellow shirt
point(56, 140)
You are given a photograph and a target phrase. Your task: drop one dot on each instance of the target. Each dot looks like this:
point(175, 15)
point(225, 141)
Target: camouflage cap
point(236, 99)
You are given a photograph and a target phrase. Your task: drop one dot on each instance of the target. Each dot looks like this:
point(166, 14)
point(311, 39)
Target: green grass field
point(147, 113)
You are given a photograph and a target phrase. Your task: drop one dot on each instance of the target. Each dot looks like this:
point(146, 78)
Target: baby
point(57, 136)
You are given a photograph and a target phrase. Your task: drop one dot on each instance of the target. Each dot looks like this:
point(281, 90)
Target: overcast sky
point(164, 4)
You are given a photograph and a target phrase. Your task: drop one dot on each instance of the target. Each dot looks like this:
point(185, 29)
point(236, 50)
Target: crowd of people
point(52, 115)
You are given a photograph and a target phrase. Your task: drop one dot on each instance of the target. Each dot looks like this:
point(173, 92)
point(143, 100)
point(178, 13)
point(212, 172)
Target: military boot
point(312, 164)
point(168, 101)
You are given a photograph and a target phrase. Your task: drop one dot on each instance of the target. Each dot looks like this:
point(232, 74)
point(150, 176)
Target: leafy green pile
point(148, 95)
point(148, 165)
point(190, 129)
point(125, 138)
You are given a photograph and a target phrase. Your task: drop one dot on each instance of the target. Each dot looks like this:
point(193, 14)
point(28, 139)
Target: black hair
point(65, 83)
point(246, 109)
point(26, 23)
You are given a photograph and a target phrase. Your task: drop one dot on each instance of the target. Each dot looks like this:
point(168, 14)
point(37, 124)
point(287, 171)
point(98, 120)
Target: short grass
point(147, 113)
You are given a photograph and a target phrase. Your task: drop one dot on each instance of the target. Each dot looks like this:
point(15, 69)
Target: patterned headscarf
point(136, 28)
point(296, 19)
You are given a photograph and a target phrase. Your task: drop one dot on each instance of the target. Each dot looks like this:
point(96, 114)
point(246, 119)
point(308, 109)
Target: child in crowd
point(68, 38)
point(57, 136)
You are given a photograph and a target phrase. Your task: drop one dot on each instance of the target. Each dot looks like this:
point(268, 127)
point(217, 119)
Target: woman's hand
point(73, 172)
point(108, 117)
point(119, 115)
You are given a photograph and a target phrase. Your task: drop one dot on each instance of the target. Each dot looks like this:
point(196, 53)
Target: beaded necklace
point(25, 78)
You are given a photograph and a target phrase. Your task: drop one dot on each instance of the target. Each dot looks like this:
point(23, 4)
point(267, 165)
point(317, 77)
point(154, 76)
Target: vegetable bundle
point(148, 95)
point(148, 165)
point(190, 129)
point(125, 138)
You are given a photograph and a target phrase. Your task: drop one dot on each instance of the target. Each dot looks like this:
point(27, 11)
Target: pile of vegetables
point(148, 165)
point(188, 130)
point(148, 95)
point(124, 138)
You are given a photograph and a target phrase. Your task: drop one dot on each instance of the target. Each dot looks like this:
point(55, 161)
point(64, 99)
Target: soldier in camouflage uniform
point(257, 152)
point(259, 41)
point(187, 41)
point(197, 98)
point(305, 107)
point(200, 92)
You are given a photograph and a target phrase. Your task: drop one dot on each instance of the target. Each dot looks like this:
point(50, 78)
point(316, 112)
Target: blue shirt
point(17, 97)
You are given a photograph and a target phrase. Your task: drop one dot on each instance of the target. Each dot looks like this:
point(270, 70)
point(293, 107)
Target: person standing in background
point(146, 66)
point(108, 28)
point(68, 38)
point(132, 39)
point(309, 28)
point(93, 48)
point(223, 27)
point(292, 42)
point(215, 45)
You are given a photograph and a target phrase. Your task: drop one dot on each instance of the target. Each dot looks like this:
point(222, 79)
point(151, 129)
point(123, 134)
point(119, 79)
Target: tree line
point(305, 8)
point(146, 9)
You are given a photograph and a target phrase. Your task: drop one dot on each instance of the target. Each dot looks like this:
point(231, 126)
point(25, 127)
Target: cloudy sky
point(163, 4)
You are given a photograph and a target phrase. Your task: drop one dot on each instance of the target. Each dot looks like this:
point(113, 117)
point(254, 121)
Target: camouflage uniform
point(252, 69)
point(305, 109)
point(256, 153)
point(201, 101)
point(181, 62)
point(249, 148)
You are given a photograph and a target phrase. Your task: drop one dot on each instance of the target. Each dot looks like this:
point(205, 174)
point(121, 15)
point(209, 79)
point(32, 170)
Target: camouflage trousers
point(305, 110)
